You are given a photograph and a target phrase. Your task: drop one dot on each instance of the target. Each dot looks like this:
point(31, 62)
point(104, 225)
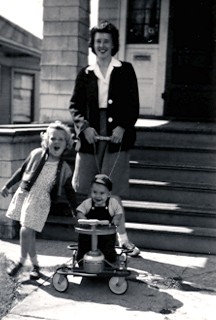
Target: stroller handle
point(103, 138)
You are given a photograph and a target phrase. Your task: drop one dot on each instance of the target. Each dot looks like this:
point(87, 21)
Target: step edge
point(193, 231)
point(160, 147)
point(145, 125)
point(146, 205)
point(200, 187)
point(147, 164)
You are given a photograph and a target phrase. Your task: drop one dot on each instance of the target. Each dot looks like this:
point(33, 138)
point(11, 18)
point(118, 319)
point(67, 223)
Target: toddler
point(100, 205)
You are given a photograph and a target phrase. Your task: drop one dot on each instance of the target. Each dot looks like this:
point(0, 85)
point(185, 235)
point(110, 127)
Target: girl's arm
point(71, 195)
point(4, 192)
point(16, 177)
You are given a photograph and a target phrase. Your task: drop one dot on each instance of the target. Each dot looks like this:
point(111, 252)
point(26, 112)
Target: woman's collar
point(113, 63)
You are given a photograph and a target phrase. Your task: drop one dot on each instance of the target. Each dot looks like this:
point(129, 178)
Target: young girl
point(44, 177)
point(102, 206)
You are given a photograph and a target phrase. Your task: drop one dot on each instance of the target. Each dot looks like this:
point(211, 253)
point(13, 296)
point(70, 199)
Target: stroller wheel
point(60, 282)
point(118, 285)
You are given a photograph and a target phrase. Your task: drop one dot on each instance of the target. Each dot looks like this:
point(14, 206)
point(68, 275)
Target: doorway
point(190, 73)
point(144, 28)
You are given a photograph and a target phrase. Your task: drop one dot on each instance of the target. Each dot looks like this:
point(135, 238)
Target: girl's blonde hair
point(59, 126)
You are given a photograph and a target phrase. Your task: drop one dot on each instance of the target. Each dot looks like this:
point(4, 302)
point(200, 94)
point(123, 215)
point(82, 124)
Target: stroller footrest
point(72, 246)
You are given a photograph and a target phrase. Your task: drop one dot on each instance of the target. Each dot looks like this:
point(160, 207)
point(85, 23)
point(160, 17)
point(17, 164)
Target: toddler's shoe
point(35, 273)
point(14, 269)
point(134, 251)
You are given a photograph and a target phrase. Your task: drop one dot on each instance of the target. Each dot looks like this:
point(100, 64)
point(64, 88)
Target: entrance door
point(190, 77)
point(143, 29)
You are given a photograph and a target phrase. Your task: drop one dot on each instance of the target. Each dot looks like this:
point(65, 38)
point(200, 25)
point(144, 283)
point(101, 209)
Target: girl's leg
point(24, 248)
point(32, 249)
point(25, 241)
point(28, 246)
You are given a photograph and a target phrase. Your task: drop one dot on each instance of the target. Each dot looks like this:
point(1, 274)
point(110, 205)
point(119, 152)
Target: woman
point(105, 102)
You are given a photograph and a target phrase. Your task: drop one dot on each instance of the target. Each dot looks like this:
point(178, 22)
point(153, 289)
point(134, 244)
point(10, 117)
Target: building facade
point(170, 44)
point(20, 54)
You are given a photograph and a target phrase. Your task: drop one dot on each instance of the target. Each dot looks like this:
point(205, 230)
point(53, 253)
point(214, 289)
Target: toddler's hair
point(59, 126)
point(104, 180)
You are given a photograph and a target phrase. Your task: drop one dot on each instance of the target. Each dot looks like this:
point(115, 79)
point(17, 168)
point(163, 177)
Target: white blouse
point(103, 82)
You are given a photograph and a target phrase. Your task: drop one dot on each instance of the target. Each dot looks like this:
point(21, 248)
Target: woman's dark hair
point(105, 27)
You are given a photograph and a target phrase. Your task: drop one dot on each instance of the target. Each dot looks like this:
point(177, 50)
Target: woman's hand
point(117, 135)
point(90, 135)
point(4, 192)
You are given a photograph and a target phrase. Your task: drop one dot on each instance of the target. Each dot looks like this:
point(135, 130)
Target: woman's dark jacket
point(122, 105)
point(27, 174)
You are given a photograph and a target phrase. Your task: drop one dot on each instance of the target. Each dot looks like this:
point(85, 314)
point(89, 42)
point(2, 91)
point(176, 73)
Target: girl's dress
point(32, 207)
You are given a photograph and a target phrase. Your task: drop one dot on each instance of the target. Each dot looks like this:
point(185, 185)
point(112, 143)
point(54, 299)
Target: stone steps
point(179, 193)
point(169, 172)
point(146, 235)
point(172, 204)
point(173, 238)
point(169, 214)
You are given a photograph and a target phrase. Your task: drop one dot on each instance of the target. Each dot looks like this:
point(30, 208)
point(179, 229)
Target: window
point(23, 98)
point(143, 21)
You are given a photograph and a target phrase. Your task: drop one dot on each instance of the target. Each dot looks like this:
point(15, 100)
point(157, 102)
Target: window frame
point(34, 103)
point(149, 35)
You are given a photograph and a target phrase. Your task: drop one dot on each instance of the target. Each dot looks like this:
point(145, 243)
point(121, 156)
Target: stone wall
point(110, 10)
point(64, 52)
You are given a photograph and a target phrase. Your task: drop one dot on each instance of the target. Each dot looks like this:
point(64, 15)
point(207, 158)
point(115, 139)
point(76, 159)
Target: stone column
point(64, 52)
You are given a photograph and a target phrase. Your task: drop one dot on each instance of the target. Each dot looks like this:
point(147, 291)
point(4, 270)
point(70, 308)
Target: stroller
point(93, 263)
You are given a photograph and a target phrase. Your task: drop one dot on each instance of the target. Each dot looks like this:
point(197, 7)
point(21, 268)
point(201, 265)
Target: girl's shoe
point(35, 273)
point(14, 269)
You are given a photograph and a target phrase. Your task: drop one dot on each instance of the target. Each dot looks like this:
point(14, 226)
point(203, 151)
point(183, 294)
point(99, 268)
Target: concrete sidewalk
point(163, 285)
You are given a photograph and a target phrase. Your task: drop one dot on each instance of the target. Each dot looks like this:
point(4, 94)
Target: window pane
point(23, 98)
point(143, 21)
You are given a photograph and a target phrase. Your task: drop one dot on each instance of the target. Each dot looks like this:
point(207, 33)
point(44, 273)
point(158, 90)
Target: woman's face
point(103, 45)
point(56, 142)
